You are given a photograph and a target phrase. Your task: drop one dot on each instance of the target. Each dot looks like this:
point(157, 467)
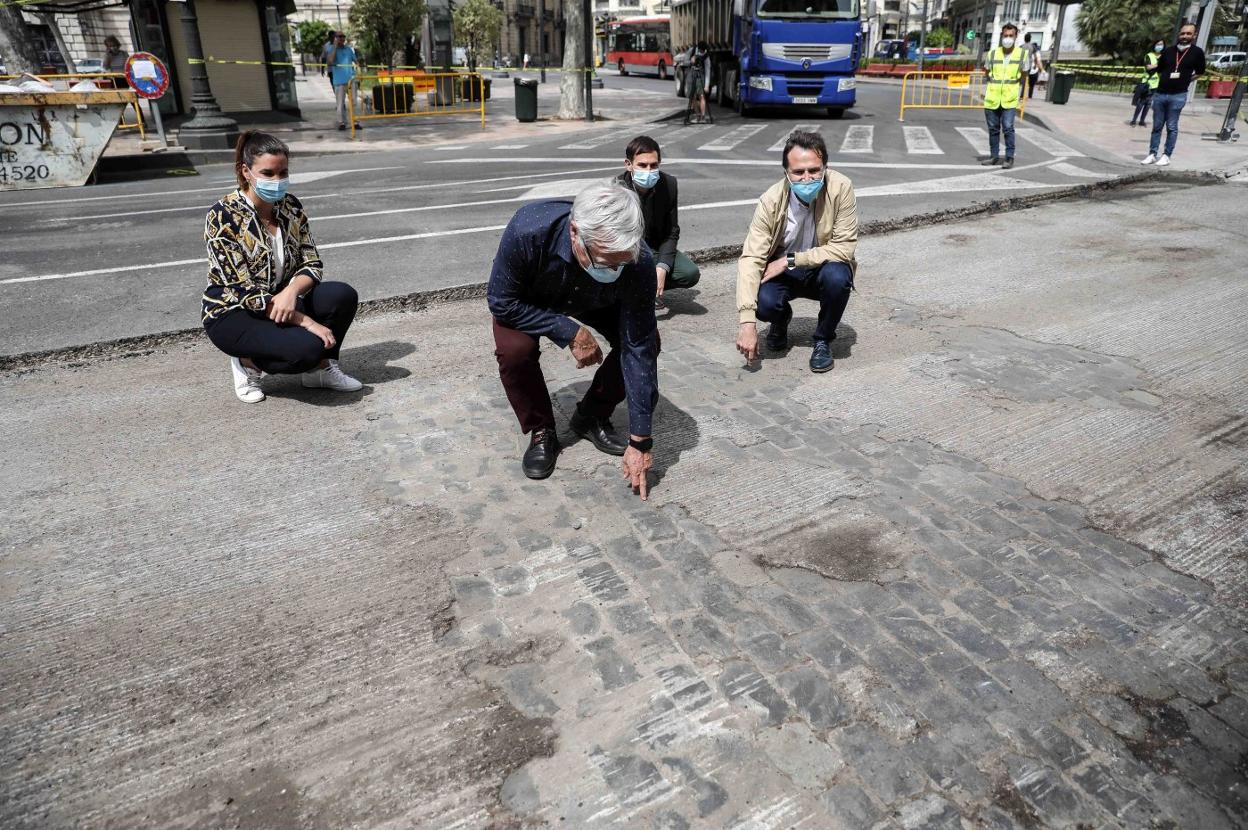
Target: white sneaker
point(1164, 161)
point(1149, 159)
point(331, 377)
point(246, 382)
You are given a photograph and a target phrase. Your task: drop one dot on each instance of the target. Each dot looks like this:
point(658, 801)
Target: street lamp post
point(209, 128)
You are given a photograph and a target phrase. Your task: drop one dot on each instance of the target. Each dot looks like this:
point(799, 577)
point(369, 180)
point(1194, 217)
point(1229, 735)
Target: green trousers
point(685, 273)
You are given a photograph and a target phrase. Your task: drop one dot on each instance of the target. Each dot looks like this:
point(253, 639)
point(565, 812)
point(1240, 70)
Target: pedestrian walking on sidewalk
point(1144, 90)
point(1033, 65)
point(342, 62)
point(562, 268)
point(266, 305)
point(801, 244)
point(1177, 67)
point(659, 207)
point(1003, 69)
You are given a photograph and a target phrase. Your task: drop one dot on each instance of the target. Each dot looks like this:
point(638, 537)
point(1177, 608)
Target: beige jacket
point(836, 236)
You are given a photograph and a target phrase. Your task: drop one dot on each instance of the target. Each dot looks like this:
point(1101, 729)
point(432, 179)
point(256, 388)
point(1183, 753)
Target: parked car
point(89, 66)
point(1225, 61)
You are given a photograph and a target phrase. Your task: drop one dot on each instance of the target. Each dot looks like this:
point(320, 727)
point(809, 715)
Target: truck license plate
point(814, 99)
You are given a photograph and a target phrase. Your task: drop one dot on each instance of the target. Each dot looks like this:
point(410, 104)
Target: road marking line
point(510, 147)
point(685, 132)
point(448, 149)
point(858, 139)
point(779, 145)
point(920, 141)
point(594, 142)
point(977, 137)
point(1047, 143)
point(731, 139)
point(1071, 170)
point(865, 165)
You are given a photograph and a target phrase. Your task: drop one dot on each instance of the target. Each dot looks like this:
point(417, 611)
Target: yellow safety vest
point(1151, 78)
point(1004, 74)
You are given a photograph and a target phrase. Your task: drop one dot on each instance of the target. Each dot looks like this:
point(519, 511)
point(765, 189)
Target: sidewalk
point(986, 573)
point(1102, 120)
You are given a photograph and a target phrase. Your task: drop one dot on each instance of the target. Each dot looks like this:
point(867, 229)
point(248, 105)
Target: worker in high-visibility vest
point(1144, 90)
point(1004, 70)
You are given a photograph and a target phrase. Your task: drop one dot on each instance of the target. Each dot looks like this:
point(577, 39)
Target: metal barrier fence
point(406, 94)
point(948, 90)
point(105, 81)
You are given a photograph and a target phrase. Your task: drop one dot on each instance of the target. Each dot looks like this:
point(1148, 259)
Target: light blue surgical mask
point(807, 191)
point(271, 190)
point(603, 274)
point(1159, 48)
point(645, 178)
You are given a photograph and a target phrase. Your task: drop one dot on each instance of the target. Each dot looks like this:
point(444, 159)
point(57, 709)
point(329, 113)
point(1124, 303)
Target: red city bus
point(641, 45)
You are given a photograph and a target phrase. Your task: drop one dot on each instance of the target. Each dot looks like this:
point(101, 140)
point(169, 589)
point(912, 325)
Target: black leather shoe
point(539, 458)
point(599, 432)
point(821, 357)
point(778, 334)
point(992, 162)
point(1008, 164)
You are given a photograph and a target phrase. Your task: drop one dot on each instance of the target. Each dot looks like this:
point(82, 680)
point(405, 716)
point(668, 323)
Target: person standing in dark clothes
point(561, 268)
point(659, 207)
point(1176, 68)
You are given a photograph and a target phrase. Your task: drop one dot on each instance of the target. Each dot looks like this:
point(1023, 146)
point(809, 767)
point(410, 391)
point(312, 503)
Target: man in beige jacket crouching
point(800, 245)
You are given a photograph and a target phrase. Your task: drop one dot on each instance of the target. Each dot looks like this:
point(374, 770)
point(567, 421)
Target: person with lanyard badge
point(801, 244)
point(342, 61)
point(1004, 69)
point(265, 305)
point(561, 268)
point(1177, 67)
point(1143, 98)
point(659, 206)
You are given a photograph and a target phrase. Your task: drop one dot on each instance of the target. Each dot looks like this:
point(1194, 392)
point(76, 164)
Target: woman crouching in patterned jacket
point(265, 305)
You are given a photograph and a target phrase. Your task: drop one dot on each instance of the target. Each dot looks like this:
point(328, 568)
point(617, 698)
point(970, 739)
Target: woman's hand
point(327, 336)
point(282, 307)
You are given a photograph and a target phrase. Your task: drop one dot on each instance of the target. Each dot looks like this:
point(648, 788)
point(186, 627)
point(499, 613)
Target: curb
point(140, 345)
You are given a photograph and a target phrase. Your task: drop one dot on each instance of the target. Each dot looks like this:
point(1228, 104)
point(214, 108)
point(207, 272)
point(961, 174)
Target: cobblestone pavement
point(989, 572)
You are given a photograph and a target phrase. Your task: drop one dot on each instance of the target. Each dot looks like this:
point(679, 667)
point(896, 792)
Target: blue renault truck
point(772, 53)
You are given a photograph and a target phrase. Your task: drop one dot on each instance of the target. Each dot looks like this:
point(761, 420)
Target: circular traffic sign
point(146, 75)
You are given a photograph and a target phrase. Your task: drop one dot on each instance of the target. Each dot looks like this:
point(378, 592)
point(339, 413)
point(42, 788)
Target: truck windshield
point(832, 9)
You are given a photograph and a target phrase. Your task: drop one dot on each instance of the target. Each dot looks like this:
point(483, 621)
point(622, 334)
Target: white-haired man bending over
point(561, 269)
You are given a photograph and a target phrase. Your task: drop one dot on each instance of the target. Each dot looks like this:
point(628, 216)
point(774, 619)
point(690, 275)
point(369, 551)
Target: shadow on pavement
point(368, 364)
point(801, 332)
point(680, 301)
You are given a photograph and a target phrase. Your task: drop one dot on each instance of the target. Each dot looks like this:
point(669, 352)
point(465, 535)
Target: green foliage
point(1124, 29)
point(477, 24)
point(383, 26)
point(939, 38)
point(311, 36)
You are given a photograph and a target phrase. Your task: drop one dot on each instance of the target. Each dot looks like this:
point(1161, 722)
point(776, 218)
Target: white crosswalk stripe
point(732, 139)
point(1046, 142)
point(779, 145)
point(510, 147)
point(1071, 170)
point(920, 141)
point(977, 137)
point(682, 133)
point(858, 139)
point(594, 142)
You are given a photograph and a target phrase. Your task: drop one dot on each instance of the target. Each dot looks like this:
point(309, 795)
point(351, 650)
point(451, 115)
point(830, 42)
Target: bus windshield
point(825, 9)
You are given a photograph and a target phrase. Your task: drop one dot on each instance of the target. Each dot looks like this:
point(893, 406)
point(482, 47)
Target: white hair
point(608, 216)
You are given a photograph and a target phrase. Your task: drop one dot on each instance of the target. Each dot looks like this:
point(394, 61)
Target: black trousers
point(288, 350)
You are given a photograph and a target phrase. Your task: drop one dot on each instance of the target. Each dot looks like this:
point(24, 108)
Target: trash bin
point(1063, 82)
point(473, 88)
point(392, 99)
point(526, 99)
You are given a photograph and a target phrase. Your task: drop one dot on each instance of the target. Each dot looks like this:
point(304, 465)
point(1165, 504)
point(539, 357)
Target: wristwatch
point(644, 445)
point(792, 259)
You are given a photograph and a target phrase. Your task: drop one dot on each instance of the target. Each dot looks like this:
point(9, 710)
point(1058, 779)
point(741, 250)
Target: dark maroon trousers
point(521, 372)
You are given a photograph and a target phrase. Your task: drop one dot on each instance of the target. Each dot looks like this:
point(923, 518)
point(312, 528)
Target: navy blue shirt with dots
point(538, 287)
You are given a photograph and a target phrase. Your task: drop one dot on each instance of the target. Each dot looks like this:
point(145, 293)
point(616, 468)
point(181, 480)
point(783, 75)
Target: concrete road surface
point(989, 572)
point(122, 260)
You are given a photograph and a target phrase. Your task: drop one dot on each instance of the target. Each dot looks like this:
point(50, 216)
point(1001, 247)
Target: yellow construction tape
point(1136, 72)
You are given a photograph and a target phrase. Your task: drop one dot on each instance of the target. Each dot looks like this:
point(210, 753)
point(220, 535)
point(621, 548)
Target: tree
point(572, 83)
point(16, 44)
point(383, 26)
point(478, 24)
point(1124, 29)
point(311, 36)
point(940, 38)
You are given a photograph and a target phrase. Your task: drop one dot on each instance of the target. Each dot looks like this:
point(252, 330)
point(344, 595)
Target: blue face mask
point(1159, 48)
point(603, 274)
point(271, 190)
point(645, 178)
point(807, 191)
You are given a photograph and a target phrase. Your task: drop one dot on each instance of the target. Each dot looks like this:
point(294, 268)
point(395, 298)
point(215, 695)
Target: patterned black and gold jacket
point(240, 262)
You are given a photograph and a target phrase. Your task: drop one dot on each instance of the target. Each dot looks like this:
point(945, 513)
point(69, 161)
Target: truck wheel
point(662, 71)
point(623, 71)
point(836, 112)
